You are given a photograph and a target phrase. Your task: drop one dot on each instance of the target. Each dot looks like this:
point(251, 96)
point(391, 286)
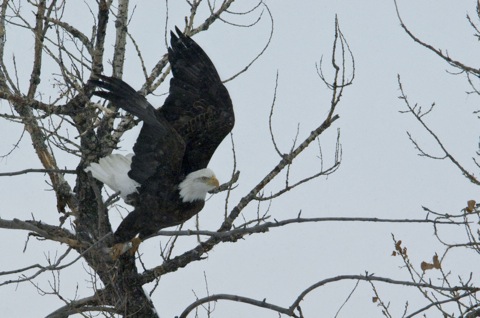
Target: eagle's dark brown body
point(175, 140)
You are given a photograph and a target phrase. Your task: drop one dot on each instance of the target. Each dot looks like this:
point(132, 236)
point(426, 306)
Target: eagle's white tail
point(113, 170)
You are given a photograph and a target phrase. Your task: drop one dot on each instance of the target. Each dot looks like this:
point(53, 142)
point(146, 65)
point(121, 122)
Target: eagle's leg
point(118, 249)
point(135, 243)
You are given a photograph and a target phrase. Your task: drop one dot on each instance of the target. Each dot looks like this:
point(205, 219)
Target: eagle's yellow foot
point(135, 243)
point(118, 249)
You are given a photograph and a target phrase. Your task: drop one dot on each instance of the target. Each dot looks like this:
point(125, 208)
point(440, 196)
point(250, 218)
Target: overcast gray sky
point(380, 175)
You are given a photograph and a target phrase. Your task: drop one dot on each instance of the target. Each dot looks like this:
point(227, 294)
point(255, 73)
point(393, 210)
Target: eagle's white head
point(197, 184)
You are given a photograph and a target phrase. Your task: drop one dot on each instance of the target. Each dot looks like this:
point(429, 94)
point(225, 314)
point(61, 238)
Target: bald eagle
point(167, 178)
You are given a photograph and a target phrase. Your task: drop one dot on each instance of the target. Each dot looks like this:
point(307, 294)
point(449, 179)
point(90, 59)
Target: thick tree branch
point(121, 38)
point(295, 307)
point(25, 171)
point(101, 31)
point(45, 231)
point(241, 299)
point(234, 234)
point(88, 304)
point(372, 278)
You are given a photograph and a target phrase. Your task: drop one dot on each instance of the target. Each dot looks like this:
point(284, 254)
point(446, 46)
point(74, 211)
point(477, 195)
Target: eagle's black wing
point(156, 165)
point(159, 148)
point(198, 106)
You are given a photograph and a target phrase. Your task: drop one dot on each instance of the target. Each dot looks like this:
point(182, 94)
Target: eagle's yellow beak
point(213, 181)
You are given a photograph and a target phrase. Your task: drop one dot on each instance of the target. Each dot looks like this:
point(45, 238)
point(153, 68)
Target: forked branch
point(416, 112)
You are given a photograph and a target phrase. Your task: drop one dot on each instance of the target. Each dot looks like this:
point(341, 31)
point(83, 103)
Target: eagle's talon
point(117, 250)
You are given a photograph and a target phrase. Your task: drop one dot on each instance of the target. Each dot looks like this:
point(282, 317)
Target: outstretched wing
point(159, 148)
point(198, 106)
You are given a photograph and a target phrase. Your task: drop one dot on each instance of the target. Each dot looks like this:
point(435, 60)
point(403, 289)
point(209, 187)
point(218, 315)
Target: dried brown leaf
point(436, 262)
point(398, 246)
point(470, 206)
point(426, 266)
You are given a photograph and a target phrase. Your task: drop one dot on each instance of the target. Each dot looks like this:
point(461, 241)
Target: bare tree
point(69, 123)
